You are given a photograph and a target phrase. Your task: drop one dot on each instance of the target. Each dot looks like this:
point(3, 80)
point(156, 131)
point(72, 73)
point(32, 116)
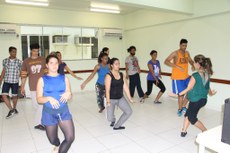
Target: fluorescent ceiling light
point(104, 10)
point(103, 7)
point(36, 3)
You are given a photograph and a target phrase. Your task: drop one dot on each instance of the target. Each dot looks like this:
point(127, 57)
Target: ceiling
point(82, 5)
point(126, 6)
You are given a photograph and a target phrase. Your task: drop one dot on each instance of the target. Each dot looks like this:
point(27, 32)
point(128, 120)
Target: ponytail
point(208, 65)
point(205, 63)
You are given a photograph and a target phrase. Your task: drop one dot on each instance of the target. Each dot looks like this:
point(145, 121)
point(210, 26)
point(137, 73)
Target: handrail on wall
point(215, 80)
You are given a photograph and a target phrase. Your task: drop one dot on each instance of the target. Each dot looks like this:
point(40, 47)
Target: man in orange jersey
point(179, 60)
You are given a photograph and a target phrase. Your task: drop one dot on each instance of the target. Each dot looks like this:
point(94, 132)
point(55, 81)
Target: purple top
point(61, 68)
point(156, 69)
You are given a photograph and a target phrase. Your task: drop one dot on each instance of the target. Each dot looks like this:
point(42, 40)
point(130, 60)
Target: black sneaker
point(183, 134)
point(10, 114)
point(15, 111)
point(40, 127)
point(112, 124)
point(157, 102)
point(119, 128)
point(101, 110)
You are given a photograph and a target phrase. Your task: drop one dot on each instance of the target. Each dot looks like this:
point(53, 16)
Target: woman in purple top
point(154, 76)
point(62, 67)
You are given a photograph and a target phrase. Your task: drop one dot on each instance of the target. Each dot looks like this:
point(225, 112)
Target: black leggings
point(67, 128)
point(193, 109)
point(150, 86)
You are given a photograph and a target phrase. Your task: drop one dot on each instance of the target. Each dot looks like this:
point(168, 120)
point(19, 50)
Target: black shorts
point(193, 109)
point(7, 86)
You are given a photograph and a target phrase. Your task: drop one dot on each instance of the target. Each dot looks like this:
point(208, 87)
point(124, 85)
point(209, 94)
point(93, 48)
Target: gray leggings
point(124, 106)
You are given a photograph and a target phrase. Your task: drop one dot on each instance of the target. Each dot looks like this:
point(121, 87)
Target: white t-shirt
point(132, 62)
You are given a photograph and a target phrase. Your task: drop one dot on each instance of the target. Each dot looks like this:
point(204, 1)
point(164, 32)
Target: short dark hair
point(130, 48)
point(101, 56)
point(183, 41)
point(34, 46)
point(49, 57)
point(152, 52)
point(11, 48)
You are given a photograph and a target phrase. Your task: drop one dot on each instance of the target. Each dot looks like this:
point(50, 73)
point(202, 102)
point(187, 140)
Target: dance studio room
point(114, 76)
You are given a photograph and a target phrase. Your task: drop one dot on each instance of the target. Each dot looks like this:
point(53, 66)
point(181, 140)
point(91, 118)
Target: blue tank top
point(101, 74)
point(54, 87)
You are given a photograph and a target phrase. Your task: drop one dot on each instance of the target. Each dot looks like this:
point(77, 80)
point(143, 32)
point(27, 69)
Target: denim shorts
point(49, 119)
point(7, 86)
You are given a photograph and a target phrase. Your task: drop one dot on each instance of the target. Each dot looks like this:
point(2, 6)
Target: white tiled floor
point(151, 129)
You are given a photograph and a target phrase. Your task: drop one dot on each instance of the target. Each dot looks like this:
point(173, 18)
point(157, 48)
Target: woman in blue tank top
point(53, 91)
point(102, 68)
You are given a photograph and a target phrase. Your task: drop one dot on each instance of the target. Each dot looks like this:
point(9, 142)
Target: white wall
point(208, 35)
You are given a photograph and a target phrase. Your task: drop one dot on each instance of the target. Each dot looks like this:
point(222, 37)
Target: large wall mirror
point(74, 43)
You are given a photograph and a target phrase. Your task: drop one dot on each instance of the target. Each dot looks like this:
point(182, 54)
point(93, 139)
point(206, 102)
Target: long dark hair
point(112, 61)
point(101, 56)
point(49, 57)
point(104, 50)
point(204, 62)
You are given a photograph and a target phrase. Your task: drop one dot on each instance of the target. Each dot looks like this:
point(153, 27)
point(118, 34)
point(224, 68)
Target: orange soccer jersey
point(182, 61)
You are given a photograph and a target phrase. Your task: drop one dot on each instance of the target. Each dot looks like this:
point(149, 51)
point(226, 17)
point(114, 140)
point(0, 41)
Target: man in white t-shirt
point(132, 73)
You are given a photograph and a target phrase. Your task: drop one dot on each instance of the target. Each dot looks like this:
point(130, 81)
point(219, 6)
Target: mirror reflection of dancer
point(198, 89)
point(62, 66)
point(115, 84)
point(154, 77)
point(179, 60)
point(53, 91)
point(33, 67)
point(133, 73)
point(10, 74)
point(102, 68)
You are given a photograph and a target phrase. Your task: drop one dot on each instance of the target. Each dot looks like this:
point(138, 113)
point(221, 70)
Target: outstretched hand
point(212, 92)
point(82, 86)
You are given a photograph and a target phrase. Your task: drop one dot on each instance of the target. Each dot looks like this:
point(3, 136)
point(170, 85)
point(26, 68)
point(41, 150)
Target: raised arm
point(107, 88)
point(71, 72)
point(191, 62)
point(168, 60)
point(96, 68)
point(190, 86)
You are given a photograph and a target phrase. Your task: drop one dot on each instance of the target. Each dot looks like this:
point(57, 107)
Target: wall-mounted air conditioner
point(83, 41)
point(112, 32)
point(8, 29)
point(60, 39)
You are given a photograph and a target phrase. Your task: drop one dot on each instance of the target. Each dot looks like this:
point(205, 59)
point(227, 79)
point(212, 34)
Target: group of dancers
point(50, 88)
